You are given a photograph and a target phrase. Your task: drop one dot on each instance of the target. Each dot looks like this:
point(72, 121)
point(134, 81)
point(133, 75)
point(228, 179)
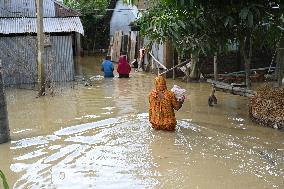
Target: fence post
point(40, 46)
point(4, 124)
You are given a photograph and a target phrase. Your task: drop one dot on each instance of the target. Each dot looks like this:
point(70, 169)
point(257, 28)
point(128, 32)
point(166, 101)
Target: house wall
point(158, 52)
point(121, 18)
point(25, 8)
point(19, 59)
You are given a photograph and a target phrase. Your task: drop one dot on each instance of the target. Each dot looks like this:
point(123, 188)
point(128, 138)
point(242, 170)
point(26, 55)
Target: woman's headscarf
point(160, 83)
point(122, 59)
point(123, 66)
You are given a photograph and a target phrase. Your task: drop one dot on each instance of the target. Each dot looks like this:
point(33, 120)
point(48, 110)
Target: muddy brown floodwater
point(99, 137)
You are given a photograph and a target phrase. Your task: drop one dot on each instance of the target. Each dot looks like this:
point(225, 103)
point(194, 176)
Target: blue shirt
point(107, 68)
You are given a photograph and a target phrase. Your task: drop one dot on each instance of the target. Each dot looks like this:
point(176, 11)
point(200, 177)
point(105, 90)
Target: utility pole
point(4, 124)
point(40, 48)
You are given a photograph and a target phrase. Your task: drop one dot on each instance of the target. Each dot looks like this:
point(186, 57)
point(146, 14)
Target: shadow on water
point(99, 137)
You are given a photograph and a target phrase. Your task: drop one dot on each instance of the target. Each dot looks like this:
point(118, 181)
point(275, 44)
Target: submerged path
point(99, 137)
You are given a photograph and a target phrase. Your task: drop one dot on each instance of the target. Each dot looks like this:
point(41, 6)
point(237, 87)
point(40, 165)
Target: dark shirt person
point(107, 67)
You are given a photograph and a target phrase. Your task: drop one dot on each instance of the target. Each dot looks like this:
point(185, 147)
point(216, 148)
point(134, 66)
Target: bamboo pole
point(4, 123)
point(40, 46)
point(181, 64)
point(225, 87)
point(157, 61)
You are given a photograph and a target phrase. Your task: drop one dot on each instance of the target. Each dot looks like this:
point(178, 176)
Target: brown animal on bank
point(212, 98)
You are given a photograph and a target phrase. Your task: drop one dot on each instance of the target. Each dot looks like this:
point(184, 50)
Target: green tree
point(95, 21)
point(246, 19)
point(88, 6)
point(188, 27)
point(207, 26)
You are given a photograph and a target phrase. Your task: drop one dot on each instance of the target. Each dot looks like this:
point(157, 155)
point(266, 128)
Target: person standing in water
point(107, 67)
point(162, 105)
point(123, 68)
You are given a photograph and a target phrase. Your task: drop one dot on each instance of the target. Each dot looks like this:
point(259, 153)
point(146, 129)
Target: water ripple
point(125, 153)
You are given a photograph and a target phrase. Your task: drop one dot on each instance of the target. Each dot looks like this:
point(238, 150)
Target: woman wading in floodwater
point(123, 68)
point(162, 105)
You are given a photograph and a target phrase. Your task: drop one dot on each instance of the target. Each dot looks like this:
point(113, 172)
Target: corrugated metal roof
point(25, 8)
point(50, 25)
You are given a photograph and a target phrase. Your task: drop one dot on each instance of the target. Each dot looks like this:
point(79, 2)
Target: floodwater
point(99, 137)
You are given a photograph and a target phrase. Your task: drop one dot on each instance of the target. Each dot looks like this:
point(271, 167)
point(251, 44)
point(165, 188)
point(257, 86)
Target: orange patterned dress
point(162, 105)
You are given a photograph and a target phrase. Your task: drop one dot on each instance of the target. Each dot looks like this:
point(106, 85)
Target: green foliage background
point(95, 21)
point(208, 25)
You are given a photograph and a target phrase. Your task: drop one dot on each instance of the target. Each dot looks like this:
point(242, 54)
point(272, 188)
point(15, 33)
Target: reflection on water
point(99, 137)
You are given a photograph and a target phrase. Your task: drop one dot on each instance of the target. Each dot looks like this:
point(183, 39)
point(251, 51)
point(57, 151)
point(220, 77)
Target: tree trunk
point(148, 58)
point(78, 44)
point(277, 65)
point(168, 56)
point(4, 125)
point(246, 51)
point(173, 59)
point(187, 73)
point(280, 63)
point(194, 68)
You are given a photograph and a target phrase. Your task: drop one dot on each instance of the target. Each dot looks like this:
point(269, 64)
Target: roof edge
point(67, 8)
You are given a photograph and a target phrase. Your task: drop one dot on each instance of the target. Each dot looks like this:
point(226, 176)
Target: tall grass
point(5, 183)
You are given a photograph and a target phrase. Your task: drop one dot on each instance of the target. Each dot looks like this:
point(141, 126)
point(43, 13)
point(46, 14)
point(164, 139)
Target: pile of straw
point(267, 107)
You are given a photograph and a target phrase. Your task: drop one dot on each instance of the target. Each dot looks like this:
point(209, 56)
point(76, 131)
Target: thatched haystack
point(267, 107)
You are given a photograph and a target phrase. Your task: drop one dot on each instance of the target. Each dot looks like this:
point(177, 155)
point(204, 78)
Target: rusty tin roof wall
point(63, 11)
point(19, 16)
